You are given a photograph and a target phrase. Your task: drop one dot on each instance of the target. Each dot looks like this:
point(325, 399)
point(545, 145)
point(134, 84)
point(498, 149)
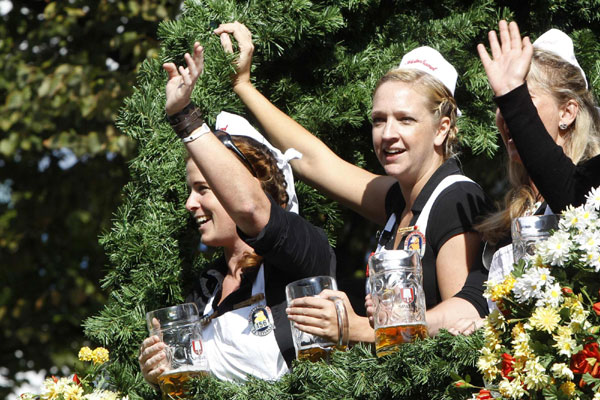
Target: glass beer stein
point(396, 280)
point(180, 329)
point(527, 231)
point(310, 347)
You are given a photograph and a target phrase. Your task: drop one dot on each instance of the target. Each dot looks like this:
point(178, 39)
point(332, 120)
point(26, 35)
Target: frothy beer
point(388, 339)
point(173, 383)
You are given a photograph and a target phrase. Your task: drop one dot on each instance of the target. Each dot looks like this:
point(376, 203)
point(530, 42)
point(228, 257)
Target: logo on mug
point(407, 295)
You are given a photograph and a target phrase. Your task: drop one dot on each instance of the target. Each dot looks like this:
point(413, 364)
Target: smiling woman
point(414, 129)
point(242, 203)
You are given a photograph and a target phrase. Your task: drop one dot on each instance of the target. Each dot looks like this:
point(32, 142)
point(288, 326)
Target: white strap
point(204, 129)
point(424, 216)
point(445, 183)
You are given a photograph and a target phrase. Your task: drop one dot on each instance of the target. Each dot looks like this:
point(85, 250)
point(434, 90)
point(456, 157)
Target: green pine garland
point(319, 62)
point(423, 370)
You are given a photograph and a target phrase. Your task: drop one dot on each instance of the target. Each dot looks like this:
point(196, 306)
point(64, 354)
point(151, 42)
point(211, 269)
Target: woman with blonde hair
point(414, 132)
point(549, 123)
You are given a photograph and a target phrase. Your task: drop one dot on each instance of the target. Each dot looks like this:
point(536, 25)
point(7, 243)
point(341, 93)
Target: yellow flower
point(100, 355)
point(564, 341)
point(85, 354)
point(545, 319)
point(55, 388)
point(73, 392)
point(499, 291)
point(488, 363)
point(568, 388)
point(511, 389)
point(534, 376)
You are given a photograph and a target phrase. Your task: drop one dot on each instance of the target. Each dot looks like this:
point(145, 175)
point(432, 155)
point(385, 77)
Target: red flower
point(507, 365)
point(591, 350)
point(484, 394)
point(567, 290)
point(76, 379)
point(579, 363)
point(505, 311)
point(459, 383)
point(55, 379)
point(597, 308)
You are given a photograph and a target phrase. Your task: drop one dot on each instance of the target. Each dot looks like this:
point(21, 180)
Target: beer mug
point(396, 280)
point(527, 231)
point(180, 329)
point(310, 347)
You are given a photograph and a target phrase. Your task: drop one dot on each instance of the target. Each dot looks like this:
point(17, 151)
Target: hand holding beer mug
point(398, 299)
point(180, 330)
point(308, 346)
point(527, 231)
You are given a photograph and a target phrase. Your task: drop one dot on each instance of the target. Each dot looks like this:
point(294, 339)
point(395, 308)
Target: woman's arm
point(356, 188)
point(555, 176)
point(240, 194)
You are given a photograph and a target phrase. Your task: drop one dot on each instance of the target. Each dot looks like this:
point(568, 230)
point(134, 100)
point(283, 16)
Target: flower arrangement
point(543, 340)
point(92, 385)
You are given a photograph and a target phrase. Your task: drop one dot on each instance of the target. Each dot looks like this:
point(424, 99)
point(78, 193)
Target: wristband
point(186, 121)
point(204, 129)
point(342, 318)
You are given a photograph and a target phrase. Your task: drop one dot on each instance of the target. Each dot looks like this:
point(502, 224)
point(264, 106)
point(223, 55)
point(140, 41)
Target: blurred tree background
point(67, 67)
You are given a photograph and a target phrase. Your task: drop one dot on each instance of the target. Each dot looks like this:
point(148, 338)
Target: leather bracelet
point(342, 318)
point(186, 121)
point(181, 115)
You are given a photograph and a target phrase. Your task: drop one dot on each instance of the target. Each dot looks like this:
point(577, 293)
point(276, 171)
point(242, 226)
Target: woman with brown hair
point(414, 133)
point(238, 197)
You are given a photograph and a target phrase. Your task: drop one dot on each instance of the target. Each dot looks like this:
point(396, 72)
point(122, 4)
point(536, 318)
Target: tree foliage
point(317, 60)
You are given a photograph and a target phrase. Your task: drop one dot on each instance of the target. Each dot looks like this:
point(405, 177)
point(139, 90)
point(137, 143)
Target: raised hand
point(182, 80)
point(510, 61)
point(244, 39)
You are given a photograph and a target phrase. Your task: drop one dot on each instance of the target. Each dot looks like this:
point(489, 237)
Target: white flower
point(586, 219)
point(531, 284)
point(103, 395)
point(556, 249)
point(562, 370)
point(591, 259)
point(589, 240)
point(552, 296)
point(593, 200)
point(569, 218)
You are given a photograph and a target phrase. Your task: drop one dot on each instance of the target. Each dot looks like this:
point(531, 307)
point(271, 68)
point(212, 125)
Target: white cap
point(429, 60)
point(239, 126)
point(559, 43)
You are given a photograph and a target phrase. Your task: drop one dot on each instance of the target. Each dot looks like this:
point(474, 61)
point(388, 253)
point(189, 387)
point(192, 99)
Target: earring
point(562, 126)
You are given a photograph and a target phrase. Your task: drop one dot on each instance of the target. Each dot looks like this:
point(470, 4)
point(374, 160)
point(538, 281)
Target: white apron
point(233, 350)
